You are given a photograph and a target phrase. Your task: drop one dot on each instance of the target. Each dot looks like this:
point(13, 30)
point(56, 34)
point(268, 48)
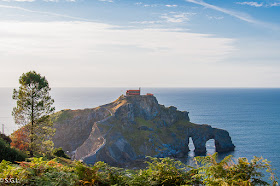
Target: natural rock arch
point(202, 133)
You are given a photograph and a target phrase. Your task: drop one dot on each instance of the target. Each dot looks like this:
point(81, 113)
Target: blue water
point(251, 116)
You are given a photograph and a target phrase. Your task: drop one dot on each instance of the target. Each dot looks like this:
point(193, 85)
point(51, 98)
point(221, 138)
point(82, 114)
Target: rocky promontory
point(131, 128)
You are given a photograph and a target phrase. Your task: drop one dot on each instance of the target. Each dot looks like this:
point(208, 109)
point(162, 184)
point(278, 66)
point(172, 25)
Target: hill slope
point(131, 128)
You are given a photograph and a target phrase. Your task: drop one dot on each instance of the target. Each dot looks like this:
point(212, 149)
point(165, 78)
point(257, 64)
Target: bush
point(39, 172)
point(6, 138)
point(58, 152)
point(227, 172)
point(162, 171)
point(10, 154)
point(165, 171)
point(101, 174)
point(20, 139)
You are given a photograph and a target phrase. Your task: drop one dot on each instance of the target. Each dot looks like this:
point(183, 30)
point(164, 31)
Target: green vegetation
point(163, 171)
point(58, 152)
point(34, 105)
point(152, 136)
point(7, 139)
point(227, 172)
point(61, 115)
point(10, 154)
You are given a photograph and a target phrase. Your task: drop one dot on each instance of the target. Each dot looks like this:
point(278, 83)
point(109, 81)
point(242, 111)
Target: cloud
point(150, 5)
point(147, 22)
point(51, 0)
point(177, 17)
point(109, 1)
point(19, 0)
point(170, 6)
point(274, 4)
point(155, 5)
point(94, 54)
point(42, 12)
point(171, 17)
point(215, 17)
point(255, 4)
point(240, 15)
point(35, 0)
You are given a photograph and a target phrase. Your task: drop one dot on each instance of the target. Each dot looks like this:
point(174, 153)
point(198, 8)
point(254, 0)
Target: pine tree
point(34, 106)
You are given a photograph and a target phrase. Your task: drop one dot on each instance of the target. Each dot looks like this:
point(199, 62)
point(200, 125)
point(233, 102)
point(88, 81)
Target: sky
point(145, 43)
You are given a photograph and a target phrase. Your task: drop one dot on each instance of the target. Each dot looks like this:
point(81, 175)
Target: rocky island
point(131, 128)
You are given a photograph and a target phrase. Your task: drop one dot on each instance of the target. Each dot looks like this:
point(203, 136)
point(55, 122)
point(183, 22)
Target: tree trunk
point(32, 127)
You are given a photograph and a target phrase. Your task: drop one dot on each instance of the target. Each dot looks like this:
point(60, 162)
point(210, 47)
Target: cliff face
point(131, 128)
point(74, 126)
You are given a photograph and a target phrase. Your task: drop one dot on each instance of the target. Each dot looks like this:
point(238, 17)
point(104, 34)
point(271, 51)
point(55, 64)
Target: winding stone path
point(93, 144)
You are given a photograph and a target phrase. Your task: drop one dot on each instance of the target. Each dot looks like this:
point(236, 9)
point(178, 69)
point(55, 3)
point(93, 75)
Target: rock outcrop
point(73, 127)
point(131, 128)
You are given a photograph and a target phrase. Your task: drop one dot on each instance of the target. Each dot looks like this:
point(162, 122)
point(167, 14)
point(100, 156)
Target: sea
point(251, 116)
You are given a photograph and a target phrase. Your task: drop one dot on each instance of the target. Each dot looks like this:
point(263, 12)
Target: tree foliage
point(34, 105)
point(20, 139)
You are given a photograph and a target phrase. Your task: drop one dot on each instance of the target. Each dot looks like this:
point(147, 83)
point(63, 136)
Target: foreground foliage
point(10, 154)
point(59, 152)
point(227, 172)
point(7, 139)
point(163, 171)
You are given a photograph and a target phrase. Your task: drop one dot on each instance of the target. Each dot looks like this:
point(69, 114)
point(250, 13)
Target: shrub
point(160, 171)
point(10, 154)
point(58, 152)
point(6, 138)
point(165, 171)
point(39, 172)
point(20, 139)
point(227, 172)
point(101, 174)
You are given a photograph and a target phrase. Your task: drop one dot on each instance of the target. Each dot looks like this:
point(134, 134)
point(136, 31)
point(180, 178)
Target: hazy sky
point(149, 43)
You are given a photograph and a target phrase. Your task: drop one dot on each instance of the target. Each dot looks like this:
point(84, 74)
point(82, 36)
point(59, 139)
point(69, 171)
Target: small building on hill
point(133, 92)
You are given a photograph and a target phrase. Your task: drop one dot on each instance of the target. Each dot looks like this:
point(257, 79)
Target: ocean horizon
point(250, 115)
